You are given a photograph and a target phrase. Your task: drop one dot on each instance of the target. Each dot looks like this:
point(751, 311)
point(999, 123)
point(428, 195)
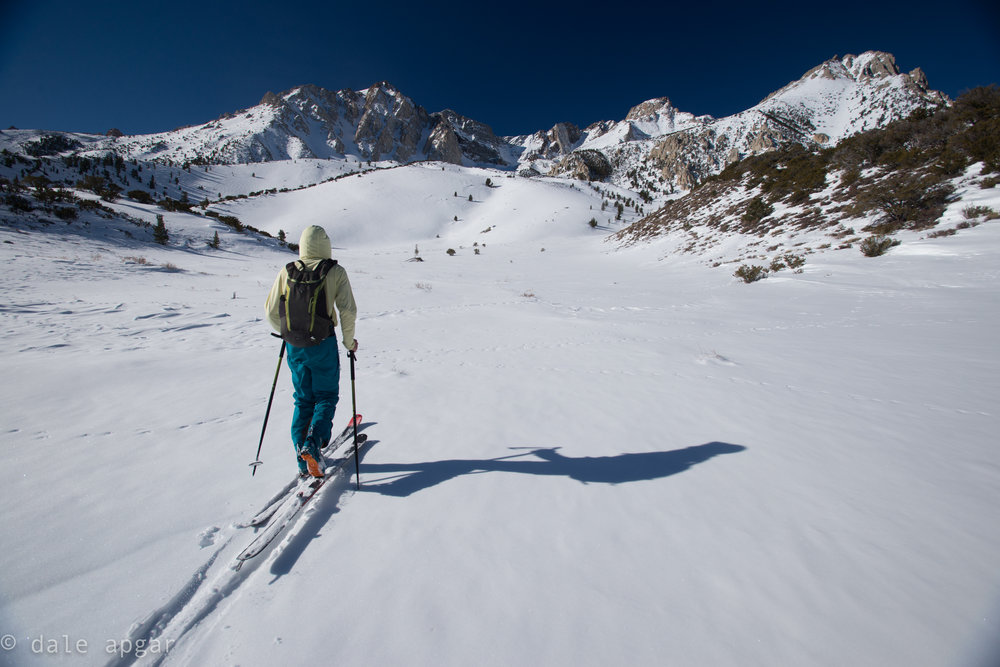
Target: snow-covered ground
point(578, 456)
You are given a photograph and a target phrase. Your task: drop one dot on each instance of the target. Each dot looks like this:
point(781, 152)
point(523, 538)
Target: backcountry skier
point(300, 307)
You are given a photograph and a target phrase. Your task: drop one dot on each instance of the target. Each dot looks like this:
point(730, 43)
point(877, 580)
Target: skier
point(313, 357)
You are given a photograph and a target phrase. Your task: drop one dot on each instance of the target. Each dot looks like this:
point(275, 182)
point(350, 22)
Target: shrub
point(788, 261)
point(906, 200)
point(973, 212)
point(593, 223)
point(140, 196)
point(850, 177)
point(942, 233)
point(110, 192)
point(795, 262)
point(66, 213)
point(232, 221)
point(169, 204)
point(95, 184)
point(874, 246)
point(756, 211)
point(451, 252)
point(17, 202)
point(750, 274)
point(91, 205)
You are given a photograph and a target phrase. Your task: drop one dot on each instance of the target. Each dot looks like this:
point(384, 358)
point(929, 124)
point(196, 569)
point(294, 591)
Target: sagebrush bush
point(906, 200)
point(750, 274)
point(66, 213)
point(788, 261)
point(756, 211)
point(874, 246)
point(973, 212)
point(140, 196)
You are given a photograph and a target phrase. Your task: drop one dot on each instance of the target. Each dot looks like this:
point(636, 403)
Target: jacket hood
point(314, 243)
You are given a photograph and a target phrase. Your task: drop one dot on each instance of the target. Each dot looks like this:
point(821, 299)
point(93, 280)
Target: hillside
point(874, 184)
point(578, 456)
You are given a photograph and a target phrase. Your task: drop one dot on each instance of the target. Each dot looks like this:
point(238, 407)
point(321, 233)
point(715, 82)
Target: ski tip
point(357, 419)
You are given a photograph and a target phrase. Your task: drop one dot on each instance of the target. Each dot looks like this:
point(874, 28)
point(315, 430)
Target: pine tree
point(160, 234)
point(214, 243)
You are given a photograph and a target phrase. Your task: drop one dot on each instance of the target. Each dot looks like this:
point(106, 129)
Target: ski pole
point(281, 355)
point(354, 406)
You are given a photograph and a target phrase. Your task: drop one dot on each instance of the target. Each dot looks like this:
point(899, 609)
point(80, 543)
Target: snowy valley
point(581, 451)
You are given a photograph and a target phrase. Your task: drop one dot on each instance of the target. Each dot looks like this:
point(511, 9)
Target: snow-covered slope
point(579, 457)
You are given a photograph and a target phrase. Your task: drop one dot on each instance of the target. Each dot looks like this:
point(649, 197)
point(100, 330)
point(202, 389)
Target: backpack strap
point(297, 268)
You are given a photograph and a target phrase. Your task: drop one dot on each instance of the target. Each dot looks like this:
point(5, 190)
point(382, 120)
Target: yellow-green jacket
point(314, 247)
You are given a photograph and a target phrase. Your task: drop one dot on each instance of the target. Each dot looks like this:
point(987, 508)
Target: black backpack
point(302, 309)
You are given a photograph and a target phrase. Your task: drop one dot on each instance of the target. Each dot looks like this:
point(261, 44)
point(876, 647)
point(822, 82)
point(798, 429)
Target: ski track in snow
point(217, 584)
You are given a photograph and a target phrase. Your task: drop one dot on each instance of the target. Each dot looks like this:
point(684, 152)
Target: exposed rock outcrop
point(584, 165)
point(391, 125)
point(442, 145)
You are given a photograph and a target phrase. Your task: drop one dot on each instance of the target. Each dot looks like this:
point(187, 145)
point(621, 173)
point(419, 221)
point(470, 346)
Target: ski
point(306, 491)
point(275, 503)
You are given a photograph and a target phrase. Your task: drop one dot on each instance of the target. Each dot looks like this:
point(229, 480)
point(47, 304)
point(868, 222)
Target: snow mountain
point(656, 147)
point(377, 124)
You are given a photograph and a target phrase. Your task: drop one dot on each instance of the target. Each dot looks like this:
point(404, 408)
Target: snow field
point(579, 456)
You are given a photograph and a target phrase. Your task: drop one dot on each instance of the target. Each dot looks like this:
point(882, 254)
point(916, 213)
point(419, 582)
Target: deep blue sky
point(146, 66)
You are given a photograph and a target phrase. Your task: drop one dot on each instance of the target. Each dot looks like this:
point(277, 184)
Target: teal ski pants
point(316, 378)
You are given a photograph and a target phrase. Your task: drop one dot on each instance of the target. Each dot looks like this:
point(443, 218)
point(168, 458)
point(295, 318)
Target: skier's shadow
point(404, 479)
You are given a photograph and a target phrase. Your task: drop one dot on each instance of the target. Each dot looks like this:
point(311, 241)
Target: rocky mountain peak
point(871, 65)
point(650, 109)
point(270, 99)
